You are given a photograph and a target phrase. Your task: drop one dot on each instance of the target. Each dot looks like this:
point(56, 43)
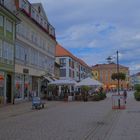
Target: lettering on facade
point(26, 71)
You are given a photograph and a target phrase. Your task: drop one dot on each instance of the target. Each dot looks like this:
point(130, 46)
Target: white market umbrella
point(89, 82)
point(63, 82)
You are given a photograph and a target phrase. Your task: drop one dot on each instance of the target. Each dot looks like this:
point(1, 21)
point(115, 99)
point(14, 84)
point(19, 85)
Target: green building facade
point(7, 52)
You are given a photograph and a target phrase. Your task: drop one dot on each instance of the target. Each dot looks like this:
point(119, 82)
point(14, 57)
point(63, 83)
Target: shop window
point(0, 48)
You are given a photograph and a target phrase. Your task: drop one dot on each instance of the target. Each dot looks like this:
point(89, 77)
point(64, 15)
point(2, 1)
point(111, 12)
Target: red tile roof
point(62, 52)
point(108, 65)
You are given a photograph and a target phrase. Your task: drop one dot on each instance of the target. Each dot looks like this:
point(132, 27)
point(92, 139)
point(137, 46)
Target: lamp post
point(118, 73)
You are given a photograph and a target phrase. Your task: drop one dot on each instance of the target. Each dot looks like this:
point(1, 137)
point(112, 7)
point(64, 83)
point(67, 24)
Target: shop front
point(23, 84)
point(6, 87)
point(2, 89)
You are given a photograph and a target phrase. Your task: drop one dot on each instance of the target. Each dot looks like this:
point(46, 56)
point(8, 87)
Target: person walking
point(125, 95)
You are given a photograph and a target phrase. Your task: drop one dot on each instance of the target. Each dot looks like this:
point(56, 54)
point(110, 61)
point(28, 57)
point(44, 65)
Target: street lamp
point(118, 73)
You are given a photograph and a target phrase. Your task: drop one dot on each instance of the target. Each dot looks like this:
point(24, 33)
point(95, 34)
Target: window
point(33, 13)
point(37, 18)
point(22, 53)
point(5, 51)
point(8, 51)
point(62, 72)
point(25, 6)
point(41, 21)
point(0, 48)
point(63, 62)
point(69, 72)
point(1, 21)
point(9, 26)
point(73, 75)
point(32, 36)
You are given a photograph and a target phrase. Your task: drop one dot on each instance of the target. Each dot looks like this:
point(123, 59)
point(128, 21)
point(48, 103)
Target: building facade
point(71, 66)
point(8, 23)
point(35, 49)
point(57, 70)
point(135, 79)
point(103, 72)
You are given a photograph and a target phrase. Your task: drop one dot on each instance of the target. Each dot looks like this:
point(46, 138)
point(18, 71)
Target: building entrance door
point(8, 88)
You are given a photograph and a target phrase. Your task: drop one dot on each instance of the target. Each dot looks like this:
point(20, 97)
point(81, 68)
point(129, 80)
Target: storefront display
point(1, 87)
point(23, 86)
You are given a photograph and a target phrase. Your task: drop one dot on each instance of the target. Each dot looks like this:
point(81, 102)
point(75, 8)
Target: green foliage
point(102, 96)
point(137, 96)
point(137, 92)
point(51, 87)
point(137, 87)
point(85, 89)
point(120, 76)
point(97, 97)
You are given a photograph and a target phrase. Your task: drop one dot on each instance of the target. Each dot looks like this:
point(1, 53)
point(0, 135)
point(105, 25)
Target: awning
point(48, 78)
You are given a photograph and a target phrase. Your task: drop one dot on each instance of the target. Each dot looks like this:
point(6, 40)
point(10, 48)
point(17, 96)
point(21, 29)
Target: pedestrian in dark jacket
point(125, 95)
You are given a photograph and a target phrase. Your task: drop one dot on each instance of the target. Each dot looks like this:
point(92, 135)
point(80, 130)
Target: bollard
point(119, 103)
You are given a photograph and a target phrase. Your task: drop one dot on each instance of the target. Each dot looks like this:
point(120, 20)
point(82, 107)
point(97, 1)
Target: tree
point(137, 87)
point(85, 90)
point(118, 76)
point(51, 89)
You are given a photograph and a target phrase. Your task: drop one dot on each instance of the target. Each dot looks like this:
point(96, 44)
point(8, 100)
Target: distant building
point(35, 49)
point(135, 79)
point(103, 72)
point(71, 66)
point(8, 23)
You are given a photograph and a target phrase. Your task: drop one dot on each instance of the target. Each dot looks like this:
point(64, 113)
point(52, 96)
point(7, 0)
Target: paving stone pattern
point(71, 121)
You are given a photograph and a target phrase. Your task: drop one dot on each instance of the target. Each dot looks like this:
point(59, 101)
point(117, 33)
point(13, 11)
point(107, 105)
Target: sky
point(95, 29)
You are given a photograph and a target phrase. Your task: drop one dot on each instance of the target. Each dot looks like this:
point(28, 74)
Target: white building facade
point(71, 67)
point(35, 49)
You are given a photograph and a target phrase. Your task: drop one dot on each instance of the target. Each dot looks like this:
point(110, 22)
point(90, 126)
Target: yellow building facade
point(103, 72)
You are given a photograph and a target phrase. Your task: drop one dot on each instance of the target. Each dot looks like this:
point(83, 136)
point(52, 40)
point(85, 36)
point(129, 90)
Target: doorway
point(8, 88)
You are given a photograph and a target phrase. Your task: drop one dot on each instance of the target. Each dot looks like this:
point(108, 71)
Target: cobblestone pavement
point(70, 121)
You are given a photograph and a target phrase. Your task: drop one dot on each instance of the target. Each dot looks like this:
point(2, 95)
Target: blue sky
point(95, 29)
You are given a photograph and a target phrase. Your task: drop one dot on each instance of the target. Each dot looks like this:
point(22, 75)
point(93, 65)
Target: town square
point(69, 70)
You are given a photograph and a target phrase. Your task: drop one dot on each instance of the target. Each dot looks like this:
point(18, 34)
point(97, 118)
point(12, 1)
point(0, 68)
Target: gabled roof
point(38, 6)
point(83, 63)
point(62, 52)
point(108, 65)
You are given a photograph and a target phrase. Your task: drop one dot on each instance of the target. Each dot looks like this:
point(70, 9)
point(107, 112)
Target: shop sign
point(25, 70)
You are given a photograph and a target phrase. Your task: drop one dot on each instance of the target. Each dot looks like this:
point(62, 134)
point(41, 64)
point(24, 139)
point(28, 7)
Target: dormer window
point(39, 9)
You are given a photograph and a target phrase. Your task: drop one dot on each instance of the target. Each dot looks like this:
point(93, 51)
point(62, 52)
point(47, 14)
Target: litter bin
point(118, 102)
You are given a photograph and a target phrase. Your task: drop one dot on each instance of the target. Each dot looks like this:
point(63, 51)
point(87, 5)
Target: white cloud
point(100, 26)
